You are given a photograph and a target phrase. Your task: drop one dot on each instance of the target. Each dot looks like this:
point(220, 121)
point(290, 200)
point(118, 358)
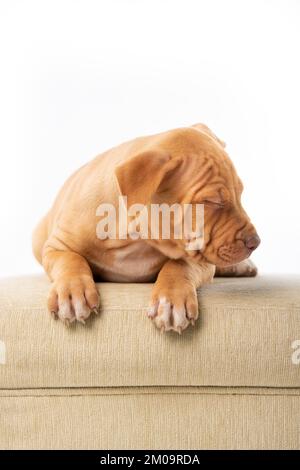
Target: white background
point(80, 76)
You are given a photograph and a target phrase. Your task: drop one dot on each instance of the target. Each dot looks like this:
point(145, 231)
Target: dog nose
point(252, 242)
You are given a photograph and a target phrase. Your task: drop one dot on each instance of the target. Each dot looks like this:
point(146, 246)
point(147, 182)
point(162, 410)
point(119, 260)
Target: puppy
point(183, 166)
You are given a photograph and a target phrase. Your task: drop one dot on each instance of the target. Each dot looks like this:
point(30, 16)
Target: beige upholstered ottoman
point(233, 381)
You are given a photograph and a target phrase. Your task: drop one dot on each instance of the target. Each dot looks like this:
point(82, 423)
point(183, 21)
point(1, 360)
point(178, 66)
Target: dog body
point(186, 165)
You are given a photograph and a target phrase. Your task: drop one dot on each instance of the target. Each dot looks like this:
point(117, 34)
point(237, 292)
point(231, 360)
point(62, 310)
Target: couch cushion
point(244, 338)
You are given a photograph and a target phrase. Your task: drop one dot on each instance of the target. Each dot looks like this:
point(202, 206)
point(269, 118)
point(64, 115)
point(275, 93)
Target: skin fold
point(185, 165)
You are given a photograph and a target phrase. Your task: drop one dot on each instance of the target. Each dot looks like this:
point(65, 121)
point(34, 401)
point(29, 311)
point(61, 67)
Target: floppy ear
point(145, 174)
point(206, 130)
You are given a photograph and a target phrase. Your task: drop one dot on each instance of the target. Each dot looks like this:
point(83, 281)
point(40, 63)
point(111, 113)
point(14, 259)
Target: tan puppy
point(186, 165)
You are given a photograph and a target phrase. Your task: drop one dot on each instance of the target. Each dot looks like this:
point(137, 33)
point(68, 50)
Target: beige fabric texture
point(151, 419)
point(243, 338)
point(118, 383)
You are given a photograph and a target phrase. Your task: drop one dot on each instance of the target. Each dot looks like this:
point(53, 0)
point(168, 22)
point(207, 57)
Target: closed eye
point(215, 204)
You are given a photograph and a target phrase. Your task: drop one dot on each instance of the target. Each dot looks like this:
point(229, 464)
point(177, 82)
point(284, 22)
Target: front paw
point(173, 308)
point(73, 298)
point(245, 268)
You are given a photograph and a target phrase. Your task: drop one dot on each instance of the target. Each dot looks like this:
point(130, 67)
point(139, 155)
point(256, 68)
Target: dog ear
point(145, 174)
point(206, 130)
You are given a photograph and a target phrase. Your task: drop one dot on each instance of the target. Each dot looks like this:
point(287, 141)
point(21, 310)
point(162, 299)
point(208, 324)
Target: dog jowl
point(186, 167)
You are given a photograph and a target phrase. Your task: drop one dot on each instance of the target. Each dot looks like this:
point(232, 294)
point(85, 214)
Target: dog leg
point(174, 303)
point(245, 268)
point(73, 295)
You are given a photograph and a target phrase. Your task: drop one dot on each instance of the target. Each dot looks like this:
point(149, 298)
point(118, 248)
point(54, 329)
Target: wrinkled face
point(200, 173)
point(229, 236)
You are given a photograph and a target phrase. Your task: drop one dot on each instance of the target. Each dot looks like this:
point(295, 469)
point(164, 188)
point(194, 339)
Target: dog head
point(191, 166)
